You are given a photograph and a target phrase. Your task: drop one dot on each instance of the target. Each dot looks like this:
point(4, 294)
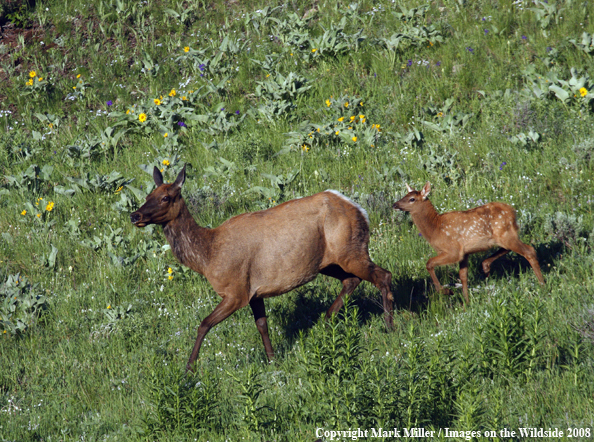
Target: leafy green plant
point(586, 45)
point(21, 304)
point(253, 414)
point(445, 120)
point(441, 163)
point(576, 90)
point(526, 140)
point(546, 13)
point(179, 403)
point(565, 228)
point(35, 180)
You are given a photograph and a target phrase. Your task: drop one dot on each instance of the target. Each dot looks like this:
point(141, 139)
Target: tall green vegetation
point(486, 100)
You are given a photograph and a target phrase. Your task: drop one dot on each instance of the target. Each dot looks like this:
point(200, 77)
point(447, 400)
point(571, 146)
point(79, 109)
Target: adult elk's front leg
point(228, 305)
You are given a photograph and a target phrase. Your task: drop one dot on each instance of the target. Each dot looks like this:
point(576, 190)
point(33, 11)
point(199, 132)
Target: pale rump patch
point(361, 209)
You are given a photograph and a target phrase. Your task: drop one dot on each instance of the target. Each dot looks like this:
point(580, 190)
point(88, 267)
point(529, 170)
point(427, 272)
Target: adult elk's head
point(163, 204)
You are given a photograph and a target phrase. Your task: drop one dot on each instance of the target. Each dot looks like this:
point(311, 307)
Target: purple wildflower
point(469, 49)
point(409, 63)
point(420, 234)
point(109, 103)
point(236, 112)
point(486, 31)
point(438, 63)
point(524, 37)
point(501, 166)
point(181, 124)
point(222, 109)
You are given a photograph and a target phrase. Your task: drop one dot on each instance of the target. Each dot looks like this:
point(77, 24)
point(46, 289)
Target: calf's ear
point(426, 190)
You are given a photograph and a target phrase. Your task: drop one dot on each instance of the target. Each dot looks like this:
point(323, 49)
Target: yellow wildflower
point(119, 189)
point(30, 82)
point(361, 104)
point(165, 135)
point(184, 98)
point(166, 162)
point(305, 147)
point(78, 76)
point(170, 270)
point(39, 215)
point(318, 129)
point(157, 101)
point(39, 79)
point(340, 119)
point(50, 206)
point(346, 104)
point(142, 117)
point(73, 87)
point(355, 139)
point(127, 111)
point(172, 93)
point(352, 117)
point(440, 114)
point(187, 49)
point(24, 212)
point(362, 116)
point(32, 74)
point(328, 103)
point(314, 50)
point(583, 91)
point(337, 132)
point(109, 306)
point(170, 277)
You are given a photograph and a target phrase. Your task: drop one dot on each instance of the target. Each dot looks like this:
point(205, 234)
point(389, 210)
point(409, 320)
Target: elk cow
point(456, 235)
point(267, 253)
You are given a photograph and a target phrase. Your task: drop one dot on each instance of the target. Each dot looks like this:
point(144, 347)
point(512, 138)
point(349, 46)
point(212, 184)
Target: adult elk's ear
point(179, 181)
point(157, 176)
point(408, 188)
point(426, 190)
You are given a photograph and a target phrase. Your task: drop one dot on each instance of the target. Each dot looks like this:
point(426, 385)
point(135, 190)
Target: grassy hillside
point(488, 100)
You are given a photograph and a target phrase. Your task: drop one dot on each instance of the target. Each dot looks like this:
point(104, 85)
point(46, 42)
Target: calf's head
point(413, 198)
point(163, 204)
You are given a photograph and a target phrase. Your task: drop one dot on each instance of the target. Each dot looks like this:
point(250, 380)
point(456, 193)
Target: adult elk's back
point(267, 253)
point(456, 235)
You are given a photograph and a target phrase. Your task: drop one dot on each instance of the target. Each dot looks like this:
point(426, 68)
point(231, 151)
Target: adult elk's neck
point(189, 242)
point(426, 219)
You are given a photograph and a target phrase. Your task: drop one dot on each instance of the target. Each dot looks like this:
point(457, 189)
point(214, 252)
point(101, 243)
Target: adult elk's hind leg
point(369, 271)
point(221, 312)
point(349, 284)
point(259, 311)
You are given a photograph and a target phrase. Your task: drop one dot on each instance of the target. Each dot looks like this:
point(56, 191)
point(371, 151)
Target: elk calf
point(267, 253)
point(456, 235)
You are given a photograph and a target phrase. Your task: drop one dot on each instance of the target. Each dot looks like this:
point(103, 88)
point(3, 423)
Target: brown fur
point(456, 235)
point(267, 253)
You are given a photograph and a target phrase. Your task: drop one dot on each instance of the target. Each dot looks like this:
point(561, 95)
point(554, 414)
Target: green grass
point(95, 338)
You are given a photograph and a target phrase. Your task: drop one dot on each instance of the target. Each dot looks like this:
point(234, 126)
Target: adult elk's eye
point(166, 199)
point(412, 200)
